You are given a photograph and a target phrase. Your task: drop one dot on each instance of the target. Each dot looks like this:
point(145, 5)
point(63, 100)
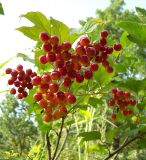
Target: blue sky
point(68, 11)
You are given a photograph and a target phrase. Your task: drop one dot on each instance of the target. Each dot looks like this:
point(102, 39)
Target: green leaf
point(141, 11)
point(25, 57)
point(1, 9)
point(136, 30)
point(59, 29)
point(41, 23)
point(124, 40)
point(4, 63)
point(94, 101)
point(89, 136)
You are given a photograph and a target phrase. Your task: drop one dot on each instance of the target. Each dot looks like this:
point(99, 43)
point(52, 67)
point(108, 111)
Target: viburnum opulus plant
point(53, 87)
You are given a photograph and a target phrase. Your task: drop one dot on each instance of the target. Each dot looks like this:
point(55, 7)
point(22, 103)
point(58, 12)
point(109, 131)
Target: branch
point(58, 140)
point(63, 144)
point(48, 145)
point(126, 143)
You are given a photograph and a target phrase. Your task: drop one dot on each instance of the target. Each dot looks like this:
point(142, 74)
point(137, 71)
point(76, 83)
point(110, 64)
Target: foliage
point(89, 132)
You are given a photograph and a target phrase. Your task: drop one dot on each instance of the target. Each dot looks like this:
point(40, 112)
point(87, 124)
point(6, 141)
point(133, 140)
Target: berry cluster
point(53, 92)
point(120, 100)
point(21, 80)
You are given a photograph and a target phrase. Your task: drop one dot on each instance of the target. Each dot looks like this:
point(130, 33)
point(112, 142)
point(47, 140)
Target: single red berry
point(84, 41)
point(55, 75)
point(19, 67)
point(24, 94)
point(62, 71)
point(88, 74)
point(53, 87)
point(66, 82)
point(69, 65)
point(110, 50)
point(43, 103)
point(29, 71)
point(114, 90)
point(17, 83)
point(57, 48)
point(54, 102)
point(13, 91)
point(49, 95)
point(66, 55)
point(54, 39)
point(36, 80)
point(51, 57)
point(46, 47)
point(71, 98)
point(91, 52)
point(61, 96)
point(14, 73)
point(127, 94)
point(10, 82)
point(109, 69)
point(80, 50)
point(97, 46)
point(102, 42)
point(85, 60)
point(19, 96)
point(117, 46)
point(79, 78)
point(71, 73)
point(43, 59)
point(59, 63)
point(66, 46)
point(45, 79)
point(56, 114)
point(37, 96)
point(113, 116)
point(63, 111)
point(104, 33)
point(77, 66)
point(94, 67)
point(44, 36)
point(8, 71)
point(29, 85)
point(20, 89)
point(47, 117)
point(75, 58)
point(33, 74)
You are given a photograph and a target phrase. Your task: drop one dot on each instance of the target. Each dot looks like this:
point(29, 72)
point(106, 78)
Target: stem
point(126, 143)
point(58, 140)
point(63, 144)
point(48, 146)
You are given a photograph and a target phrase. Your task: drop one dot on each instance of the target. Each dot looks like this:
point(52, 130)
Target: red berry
point(44, 36)
point(80, 50)
point(24, 94)
point(19, 67)
point(54, 39)
point(85, 60)
point(51, 57)
point(14, 73)
point(47, 47)
point(45, 79)
point(55, 75)
point(91, 52)
point(62, 71)
point(88, 74)
point(66, 82)
point(43, 59)
point(20, 89)
point(63, 111)
point(127, 94)
point(61, 96)
point(66, 46)
point(49, 95)
point(53, 87)
point(59, 63)
point(13, 91)
point(54, 102)
point(71, 73)
point(47, 117)
point(10, 82)
point(37, 96)
point(56, 114)
point(113, 116)
point(79, 78)
point(111, 102)
point(71, 98)
point(98, 59)
point(66, 55)
point(102, 42)
point(43, 103)
point(29, 86)
point(117, 46)
point(36, 80)
point(69, 65)
point(8, 71)
point(17, 83)
point(109, 69)
point(57, 48)
point(19, 96)
point(29, 71)
point(84, 41)
point(133, 102)
point(104, 34)
point(75, 58)
point(114, 90)
point(93, 67)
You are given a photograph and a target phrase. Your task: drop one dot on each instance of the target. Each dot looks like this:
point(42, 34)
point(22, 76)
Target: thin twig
point(48, 146)
point(58, 140)
point(126, 142)
point(63, 144)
